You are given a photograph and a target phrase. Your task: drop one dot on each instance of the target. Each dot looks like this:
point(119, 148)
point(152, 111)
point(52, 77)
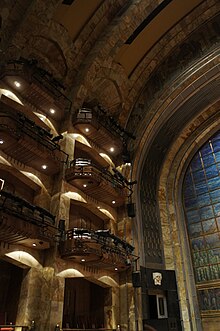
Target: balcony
point(27, 142)
point(99, 249)
point(97, 182)
point(36, 86)
point(23, 223)
point(102, 129)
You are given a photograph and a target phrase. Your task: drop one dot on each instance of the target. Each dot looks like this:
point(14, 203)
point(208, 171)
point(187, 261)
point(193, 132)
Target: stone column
point(68, 146)
point(112, 309)
point(30, 297)
point(60, 206)
point(127, 304)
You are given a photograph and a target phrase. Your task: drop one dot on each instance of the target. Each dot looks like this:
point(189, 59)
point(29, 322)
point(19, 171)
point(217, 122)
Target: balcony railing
point(20, 209)
point(99, 248)
point(98, 115)
point(17, 124)
point(29, 70)
point(98, 182)
point(80, 168)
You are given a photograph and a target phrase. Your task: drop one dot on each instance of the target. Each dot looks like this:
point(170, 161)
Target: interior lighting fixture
point(112, 149)
point(34, 244)
point(17, 84)
point(1, 141)
point(44, 166)
point(84, 185)
point(10, 95)
point(2, 182)
point(87, 129)
point(52, 111)
point(83, 260)
point(98, 207)
point(116, 269)
point(113, 202)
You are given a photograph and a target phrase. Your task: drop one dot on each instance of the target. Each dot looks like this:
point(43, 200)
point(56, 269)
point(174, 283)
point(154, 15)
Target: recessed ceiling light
point(1, 141)
point(44, 166)
point(113, 202)
point(83, 260)
point(84, 185)
point(34, 245)
point(87, 129)
point(17, 84)
point(98, 207)
point(116, 269)
point(112, 149)
point(52, 111)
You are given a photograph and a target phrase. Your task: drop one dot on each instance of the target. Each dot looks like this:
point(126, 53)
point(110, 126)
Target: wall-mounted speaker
point(131, 210)
point(136, 279)
point(61, 225)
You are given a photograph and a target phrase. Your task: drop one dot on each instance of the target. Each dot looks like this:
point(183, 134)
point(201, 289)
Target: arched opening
point(10, 279)
point(201, 194)
point(84, 303)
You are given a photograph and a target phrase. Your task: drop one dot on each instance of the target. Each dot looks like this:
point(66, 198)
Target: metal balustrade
point(18, 124)
point(103, 237)
point(21, 208)
point(84, 167)
point(99, 115)
point(102, 246)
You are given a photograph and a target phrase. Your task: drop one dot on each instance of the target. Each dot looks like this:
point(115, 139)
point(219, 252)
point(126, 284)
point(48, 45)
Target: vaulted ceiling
point(119, 53)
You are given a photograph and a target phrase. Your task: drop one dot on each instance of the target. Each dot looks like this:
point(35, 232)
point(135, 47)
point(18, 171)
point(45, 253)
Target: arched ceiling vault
point(108, 47)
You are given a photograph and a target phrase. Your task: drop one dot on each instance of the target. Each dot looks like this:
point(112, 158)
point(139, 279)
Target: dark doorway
point(10, 280)
point(83, 304)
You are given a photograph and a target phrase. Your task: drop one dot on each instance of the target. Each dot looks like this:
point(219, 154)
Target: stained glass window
point(201, 195)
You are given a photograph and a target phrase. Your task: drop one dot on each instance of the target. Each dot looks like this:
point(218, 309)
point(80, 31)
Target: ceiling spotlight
point(44, 166)
point(113, 202)
point(1, 141)
point(34, 244)
point(52, 111)
point(17, 84)
point(116, 269)
point(84, 185)
point(83, 260)
point(112, 149)
point(87, 129)
point(98, 207)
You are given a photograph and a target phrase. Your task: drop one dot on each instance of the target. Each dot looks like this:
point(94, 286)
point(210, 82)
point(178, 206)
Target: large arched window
point(201, 194)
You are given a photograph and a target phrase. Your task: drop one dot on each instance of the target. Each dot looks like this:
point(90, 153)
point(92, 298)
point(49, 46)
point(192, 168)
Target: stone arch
point(99, 82)
point(172, 101)
point(47, 50)
point(24, 258)
point(109, 81)
point(106, 50)
point(166, 129)
point(165, 57)
point(176, 247)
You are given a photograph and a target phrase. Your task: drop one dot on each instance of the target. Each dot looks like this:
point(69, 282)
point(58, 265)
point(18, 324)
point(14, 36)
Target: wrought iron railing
point(30, 69)
point(108, 248)
point(85, 167)
point(19, 124)
point(102, 237)
point(16, 206)
point(97, 113)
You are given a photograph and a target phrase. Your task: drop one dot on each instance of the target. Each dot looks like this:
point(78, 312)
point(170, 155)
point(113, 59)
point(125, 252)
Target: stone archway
point(176, 246)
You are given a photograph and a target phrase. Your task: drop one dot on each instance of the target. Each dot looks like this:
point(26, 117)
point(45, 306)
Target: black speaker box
point(62, 225)
point(131, 209)
point(136, 279)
